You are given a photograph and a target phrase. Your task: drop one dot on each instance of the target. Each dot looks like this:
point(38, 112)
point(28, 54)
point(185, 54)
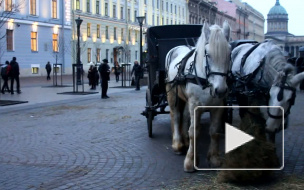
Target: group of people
point(104, 72)
point(10, 70)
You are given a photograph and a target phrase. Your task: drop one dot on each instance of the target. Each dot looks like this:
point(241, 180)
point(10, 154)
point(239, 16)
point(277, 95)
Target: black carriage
point(160, 40)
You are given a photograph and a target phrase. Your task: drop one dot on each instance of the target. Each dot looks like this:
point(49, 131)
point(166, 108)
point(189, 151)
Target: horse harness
point(181, 78)
point(284, 86)
point(244, 85)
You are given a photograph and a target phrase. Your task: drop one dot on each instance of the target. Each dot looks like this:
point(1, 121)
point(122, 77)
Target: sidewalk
point(37, 90)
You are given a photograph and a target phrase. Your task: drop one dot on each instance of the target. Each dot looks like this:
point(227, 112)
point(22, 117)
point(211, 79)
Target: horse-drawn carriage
point(160, 40)
point(190, 66)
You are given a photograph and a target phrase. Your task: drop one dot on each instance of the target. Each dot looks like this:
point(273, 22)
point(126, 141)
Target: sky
point(294, 8)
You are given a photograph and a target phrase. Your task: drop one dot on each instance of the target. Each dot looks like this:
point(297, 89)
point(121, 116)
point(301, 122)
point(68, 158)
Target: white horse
point(200, 81)
point(266, 73)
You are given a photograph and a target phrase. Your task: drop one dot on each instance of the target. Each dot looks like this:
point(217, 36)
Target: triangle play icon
point(235, 138)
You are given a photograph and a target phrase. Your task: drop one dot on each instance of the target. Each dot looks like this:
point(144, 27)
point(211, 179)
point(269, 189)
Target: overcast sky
point(294, 8)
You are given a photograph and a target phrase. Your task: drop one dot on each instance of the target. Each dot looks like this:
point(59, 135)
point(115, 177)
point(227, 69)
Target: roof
point(277, 9)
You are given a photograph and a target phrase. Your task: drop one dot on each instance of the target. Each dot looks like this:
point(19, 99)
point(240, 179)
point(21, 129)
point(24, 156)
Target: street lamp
point(78, 62)
point(140, 21)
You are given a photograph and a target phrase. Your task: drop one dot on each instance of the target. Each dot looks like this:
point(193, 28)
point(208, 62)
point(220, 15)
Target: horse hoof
point(178, 148)
point(188, 166)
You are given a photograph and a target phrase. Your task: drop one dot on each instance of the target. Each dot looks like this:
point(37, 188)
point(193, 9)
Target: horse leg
point(189, 160)
point(185, 126)
point(216, 116)
point(175, 113)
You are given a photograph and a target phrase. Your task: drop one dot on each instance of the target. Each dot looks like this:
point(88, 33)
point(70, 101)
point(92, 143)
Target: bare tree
point(7, 10)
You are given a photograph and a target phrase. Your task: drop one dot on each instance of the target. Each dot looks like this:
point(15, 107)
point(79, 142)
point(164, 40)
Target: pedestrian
point(104, 70)
point(14, 74)
point(91, 77)
point(300, 65)
point(5, 71)
point(116, 70)
point(48, 69)
point(137, 70)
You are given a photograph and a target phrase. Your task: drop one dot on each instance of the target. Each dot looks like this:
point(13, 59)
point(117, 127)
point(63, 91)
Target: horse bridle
point(208, 70)
point(284, 86)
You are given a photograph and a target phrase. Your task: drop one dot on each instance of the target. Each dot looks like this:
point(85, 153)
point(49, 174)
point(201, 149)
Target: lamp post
point(140, 21)
point(78, 62)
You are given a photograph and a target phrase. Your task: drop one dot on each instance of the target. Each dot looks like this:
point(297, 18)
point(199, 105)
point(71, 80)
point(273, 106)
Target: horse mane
point(275, 59)
point(219, 48)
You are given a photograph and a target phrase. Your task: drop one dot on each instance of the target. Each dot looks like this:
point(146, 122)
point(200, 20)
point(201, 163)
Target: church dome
point(277, 9)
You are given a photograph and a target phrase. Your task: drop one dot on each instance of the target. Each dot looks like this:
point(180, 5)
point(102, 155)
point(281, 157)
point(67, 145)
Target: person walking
point(48, 69)
point(14, 74)
point(116, 71)
point(5, 70)
point(137, 70)
point(104, 70)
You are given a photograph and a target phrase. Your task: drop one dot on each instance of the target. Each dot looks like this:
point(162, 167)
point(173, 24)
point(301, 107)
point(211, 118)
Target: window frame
point(55, 43)
point(9, 40)
point(34, 41)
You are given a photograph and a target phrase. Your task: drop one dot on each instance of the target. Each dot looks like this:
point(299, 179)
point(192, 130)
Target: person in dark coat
point(104, 70)
point(92, 76)
point(48, 69)
point(137, 70)
point(300, 65)
point(14, 74)
point(116, 70)
point(5, 74)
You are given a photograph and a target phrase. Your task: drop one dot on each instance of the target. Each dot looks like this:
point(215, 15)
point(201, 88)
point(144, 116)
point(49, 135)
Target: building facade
point(110, 29)
point(277, 30)
point(36, 32)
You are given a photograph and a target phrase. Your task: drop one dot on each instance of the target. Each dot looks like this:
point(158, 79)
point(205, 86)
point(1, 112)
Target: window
point(9, 40)
point(8, 5)
point(107, 54)
point(77, 4)
point(34, 41)
point(88, 6)
point(35, 70)
point(98, 31)
point(129, 15)
point(121, 13)
point(157, 4)
point(171, 8)
point(167, 6)
point(33, 7)
point(107, 32)
point(122, 34)
point(89, 55)
point(97, 7)
point(136, 55)
point(89, 29)
point(135, 14)
point(54, 8)
point(98, 55)
point(129, 35)
point(135, 36)
point(55, 42)
point(115, 38)
point(106, 9)
point(114, 11)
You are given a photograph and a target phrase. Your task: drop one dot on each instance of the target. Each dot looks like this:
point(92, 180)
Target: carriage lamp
point(140, 21)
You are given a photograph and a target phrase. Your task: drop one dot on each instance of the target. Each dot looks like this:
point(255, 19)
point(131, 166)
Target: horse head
point(216, 57)
point(283, 94)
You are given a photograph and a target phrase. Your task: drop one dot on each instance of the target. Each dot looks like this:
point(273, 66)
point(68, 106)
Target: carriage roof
point(161, 39)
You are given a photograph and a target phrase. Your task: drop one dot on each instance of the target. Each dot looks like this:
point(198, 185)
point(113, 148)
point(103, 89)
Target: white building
point(110, 29)
point(36, 32)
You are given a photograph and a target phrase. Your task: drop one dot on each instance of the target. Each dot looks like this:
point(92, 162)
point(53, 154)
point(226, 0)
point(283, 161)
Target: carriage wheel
point(149, 112)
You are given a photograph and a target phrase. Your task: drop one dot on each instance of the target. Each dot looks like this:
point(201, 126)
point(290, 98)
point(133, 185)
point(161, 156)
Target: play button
point(235, 138)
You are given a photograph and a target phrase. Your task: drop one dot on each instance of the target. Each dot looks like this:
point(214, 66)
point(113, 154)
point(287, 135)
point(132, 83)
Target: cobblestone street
point(90, 143)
